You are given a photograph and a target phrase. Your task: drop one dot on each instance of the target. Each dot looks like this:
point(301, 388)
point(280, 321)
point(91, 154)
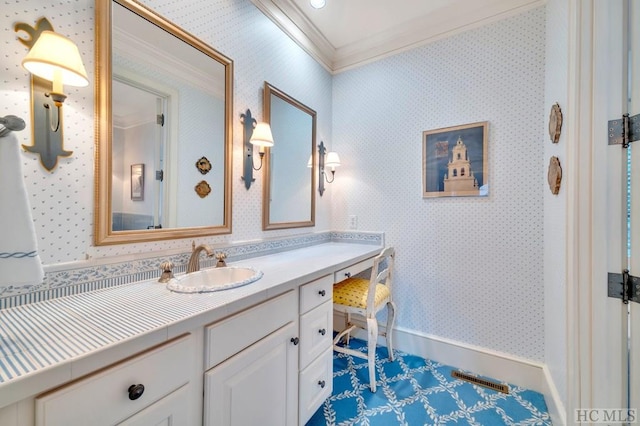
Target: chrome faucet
point(194, 260)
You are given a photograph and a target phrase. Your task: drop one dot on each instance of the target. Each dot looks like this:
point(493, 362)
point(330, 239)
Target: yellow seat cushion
point(353, 292)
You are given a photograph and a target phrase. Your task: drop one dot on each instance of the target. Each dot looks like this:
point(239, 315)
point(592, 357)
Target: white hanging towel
point(20, 263)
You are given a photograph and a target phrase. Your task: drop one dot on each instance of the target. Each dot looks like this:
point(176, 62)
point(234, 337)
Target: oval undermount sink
point(214, 279)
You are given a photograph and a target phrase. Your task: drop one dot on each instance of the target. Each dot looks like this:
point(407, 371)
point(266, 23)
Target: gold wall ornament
point(203, 189)
point(554, 176)
point(203, 165)
point(555, 123)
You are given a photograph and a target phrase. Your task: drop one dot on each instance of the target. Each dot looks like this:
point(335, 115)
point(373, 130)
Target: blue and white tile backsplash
point(87, 275)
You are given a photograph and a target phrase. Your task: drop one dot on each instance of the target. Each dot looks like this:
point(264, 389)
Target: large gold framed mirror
point(289, 181)
point(163, 129)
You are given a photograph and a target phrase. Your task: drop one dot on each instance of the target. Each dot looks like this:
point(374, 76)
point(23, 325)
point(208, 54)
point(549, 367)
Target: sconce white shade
point(332, 161)
point(262, 135)
point(317, 4)
point(55, 57)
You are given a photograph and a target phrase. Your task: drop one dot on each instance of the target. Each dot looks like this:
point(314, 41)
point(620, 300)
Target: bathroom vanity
point(139, 354)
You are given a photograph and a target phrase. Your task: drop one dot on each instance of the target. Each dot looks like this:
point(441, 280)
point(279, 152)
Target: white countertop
point(48, 343)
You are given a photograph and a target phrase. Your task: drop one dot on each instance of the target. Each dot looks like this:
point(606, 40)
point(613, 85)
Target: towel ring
point(11, 123)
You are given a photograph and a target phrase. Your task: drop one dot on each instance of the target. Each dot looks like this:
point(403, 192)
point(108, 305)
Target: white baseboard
point(482, 361)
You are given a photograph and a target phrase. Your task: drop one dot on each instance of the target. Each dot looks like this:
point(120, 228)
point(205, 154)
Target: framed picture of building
point(454, 161)
point(137, 182)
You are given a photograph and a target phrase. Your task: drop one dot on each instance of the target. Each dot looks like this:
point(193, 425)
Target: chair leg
point(347, 325)
point(391, 320)
point(372, 329)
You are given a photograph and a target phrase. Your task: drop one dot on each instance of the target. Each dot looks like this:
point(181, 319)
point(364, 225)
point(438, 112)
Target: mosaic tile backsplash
point(81, 278)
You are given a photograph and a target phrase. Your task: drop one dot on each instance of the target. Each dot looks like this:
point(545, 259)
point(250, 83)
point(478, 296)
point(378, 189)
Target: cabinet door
point(172, 410)
point(258, 386)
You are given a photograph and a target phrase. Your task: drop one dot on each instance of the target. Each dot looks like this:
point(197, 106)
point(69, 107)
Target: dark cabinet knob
point(321, 383)
point(347, 274)
point(322, 293)
point(295, 340)
point(322, 331)
point(136, 391)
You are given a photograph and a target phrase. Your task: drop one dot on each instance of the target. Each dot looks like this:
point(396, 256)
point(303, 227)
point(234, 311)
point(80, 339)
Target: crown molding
point(288, 17)
point(442, 23)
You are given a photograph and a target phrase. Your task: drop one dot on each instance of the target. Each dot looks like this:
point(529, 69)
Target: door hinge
point(624, 286)
point(625, 130)
point(160, 119)
point(160, 175)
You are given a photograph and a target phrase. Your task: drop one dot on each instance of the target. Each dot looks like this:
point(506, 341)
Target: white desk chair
point(365, 298)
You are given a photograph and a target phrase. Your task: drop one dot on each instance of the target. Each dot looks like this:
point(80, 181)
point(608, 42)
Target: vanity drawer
point(316, 332)
point(105, 397)
point(352, 270)
point(316, 384)
point(315, 293)
point(229, 336)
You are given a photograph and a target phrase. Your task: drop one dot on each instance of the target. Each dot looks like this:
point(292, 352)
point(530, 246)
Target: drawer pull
point(321, 383)
point(295, 341)
point(322, 331)
point(136, 391)
point(347, 274)
point(322, 293)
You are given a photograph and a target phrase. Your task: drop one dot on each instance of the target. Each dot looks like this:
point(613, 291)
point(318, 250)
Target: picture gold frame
point(455, 162)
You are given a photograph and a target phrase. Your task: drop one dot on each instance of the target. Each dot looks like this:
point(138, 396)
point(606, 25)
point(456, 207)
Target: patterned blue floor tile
point(413, 391)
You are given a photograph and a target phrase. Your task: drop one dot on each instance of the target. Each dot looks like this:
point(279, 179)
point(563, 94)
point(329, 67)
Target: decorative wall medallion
point(203, 165)
point(203, 189)
point(554, 176)
point(555, 123)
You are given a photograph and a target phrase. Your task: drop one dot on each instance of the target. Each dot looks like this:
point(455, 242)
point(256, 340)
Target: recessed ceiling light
point(318, 4)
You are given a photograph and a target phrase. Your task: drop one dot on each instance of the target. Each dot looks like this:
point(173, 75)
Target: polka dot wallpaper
point(62, 200)
point(468, 269)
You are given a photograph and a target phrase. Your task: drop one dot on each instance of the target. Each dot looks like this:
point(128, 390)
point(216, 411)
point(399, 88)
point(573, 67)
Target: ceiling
point(348, 33)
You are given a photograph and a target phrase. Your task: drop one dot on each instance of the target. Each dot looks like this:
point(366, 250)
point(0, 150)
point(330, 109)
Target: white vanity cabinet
point(316, 346)
point(261, 357)
point(252, 362)
point(147, 389)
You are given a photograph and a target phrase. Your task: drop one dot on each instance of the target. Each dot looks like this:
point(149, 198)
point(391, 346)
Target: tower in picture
point(459, 176)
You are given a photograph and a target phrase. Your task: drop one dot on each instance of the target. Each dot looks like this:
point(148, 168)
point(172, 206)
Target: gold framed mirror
point(163, 108)
point(288, 193)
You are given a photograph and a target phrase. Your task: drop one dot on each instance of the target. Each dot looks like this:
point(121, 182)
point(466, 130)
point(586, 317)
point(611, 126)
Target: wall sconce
point(254, 134)
point(53, 61)
point(331, 161)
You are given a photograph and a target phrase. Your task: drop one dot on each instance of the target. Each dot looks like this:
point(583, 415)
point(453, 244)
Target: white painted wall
point(555, 206)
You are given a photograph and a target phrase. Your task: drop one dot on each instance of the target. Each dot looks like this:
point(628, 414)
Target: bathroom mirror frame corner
point(104, 233)
point(283, 205)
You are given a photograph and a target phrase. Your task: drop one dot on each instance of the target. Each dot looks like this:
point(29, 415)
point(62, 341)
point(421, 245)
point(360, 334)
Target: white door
point(258, 386)
point(616, 381)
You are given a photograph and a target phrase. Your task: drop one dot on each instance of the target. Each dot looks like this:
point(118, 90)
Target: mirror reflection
point(164, 129)
point(289, 198)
